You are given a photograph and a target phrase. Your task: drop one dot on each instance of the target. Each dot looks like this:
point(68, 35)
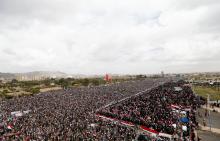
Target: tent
point(17, 113)
point(184, 119)
point(177, 89)
point(184, 128)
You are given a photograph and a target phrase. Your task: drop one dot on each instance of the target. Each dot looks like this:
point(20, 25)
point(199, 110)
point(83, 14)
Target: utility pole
point(210, 120)
point(209, 113)
point(192, 86)
point(208, 99)
point(218, 84)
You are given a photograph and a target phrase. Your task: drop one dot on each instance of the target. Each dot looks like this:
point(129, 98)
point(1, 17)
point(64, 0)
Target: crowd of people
point(154, 109)
point(70, 114)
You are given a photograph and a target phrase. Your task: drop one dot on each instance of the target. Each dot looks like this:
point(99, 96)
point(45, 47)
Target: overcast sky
point(110, 36)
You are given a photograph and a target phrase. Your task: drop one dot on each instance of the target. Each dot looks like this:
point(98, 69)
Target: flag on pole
point(107, 78)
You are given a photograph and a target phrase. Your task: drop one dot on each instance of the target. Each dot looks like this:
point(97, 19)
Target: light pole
point(208, 99)
point(209, 113)
point(218, 84)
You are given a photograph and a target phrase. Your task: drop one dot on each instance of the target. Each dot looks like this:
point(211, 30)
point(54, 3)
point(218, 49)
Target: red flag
point(107, 78)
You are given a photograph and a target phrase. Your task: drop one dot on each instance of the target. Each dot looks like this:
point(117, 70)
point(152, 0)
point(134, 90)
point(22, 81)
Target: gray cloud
point(112, 36)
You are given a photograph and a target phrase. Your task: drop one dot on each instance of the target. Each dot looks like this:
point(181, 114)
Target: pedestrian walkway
point(210, 108)
point(206, 128)
point(207, 136)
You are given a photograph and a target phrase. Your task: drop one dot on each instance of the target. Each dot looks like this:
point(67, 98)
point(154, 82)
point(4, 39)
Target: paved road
point(210, 108)
point(208, 136)
point(206, 128)
point(215, 118)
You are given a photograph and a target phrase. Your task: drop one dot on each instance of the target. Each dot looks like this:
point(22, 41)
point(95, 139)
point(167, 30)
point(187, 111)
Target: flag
point(107, 78)
point(9, 127)
point(127, 123)
point(149, 130)
point(175, 106)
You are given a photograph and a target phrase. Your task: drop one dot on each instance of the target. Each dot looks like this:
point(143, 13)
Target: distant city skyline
point(111, 36)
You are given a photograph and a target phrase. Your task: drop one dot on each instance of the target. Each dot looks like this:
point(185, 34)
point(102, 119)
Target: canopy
point(184, 119)
point(178, 89)
point(184, 128)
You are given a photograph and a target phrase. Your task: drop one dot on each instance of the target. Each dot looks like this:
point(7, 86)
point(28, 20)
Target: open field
point(204, 90)
point(50, 89)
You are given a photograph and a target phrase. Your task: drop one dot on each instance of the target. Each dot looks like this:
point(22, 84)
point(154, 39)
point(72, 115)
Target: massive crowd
point(69, 114)
point(155, 109)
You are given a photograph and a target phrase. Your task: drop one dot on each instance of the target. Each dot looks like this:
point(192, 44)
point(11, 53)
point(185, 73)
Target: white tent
point(178, 89)
point(184, 128)
point(17, 113)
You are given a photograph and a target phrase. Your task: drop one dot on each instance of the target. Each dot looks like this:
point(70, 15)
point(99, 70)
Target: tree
point(13, 81)
point(4, 94)
point(8, 96)
point(64, 83)
point(85, 82)
point(1, 94)
point(47, 82)
point(95, 82)
point(141, 76)
point(74, 83)
point(5, 91)
point(35, 90)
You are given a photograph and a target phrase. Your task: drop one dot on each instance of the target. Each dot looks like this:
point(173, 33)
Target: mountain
point(35, 75)
point(7, 76)
point(56, 74)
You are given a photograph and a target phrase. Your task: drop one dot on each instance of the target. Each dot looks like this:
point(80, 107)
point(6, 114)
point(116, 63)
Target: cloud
point(95, 37)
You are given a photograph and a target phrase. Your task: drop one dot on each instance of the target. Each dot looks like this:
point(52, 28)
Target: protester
point(69, 114)
point(154, 109)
